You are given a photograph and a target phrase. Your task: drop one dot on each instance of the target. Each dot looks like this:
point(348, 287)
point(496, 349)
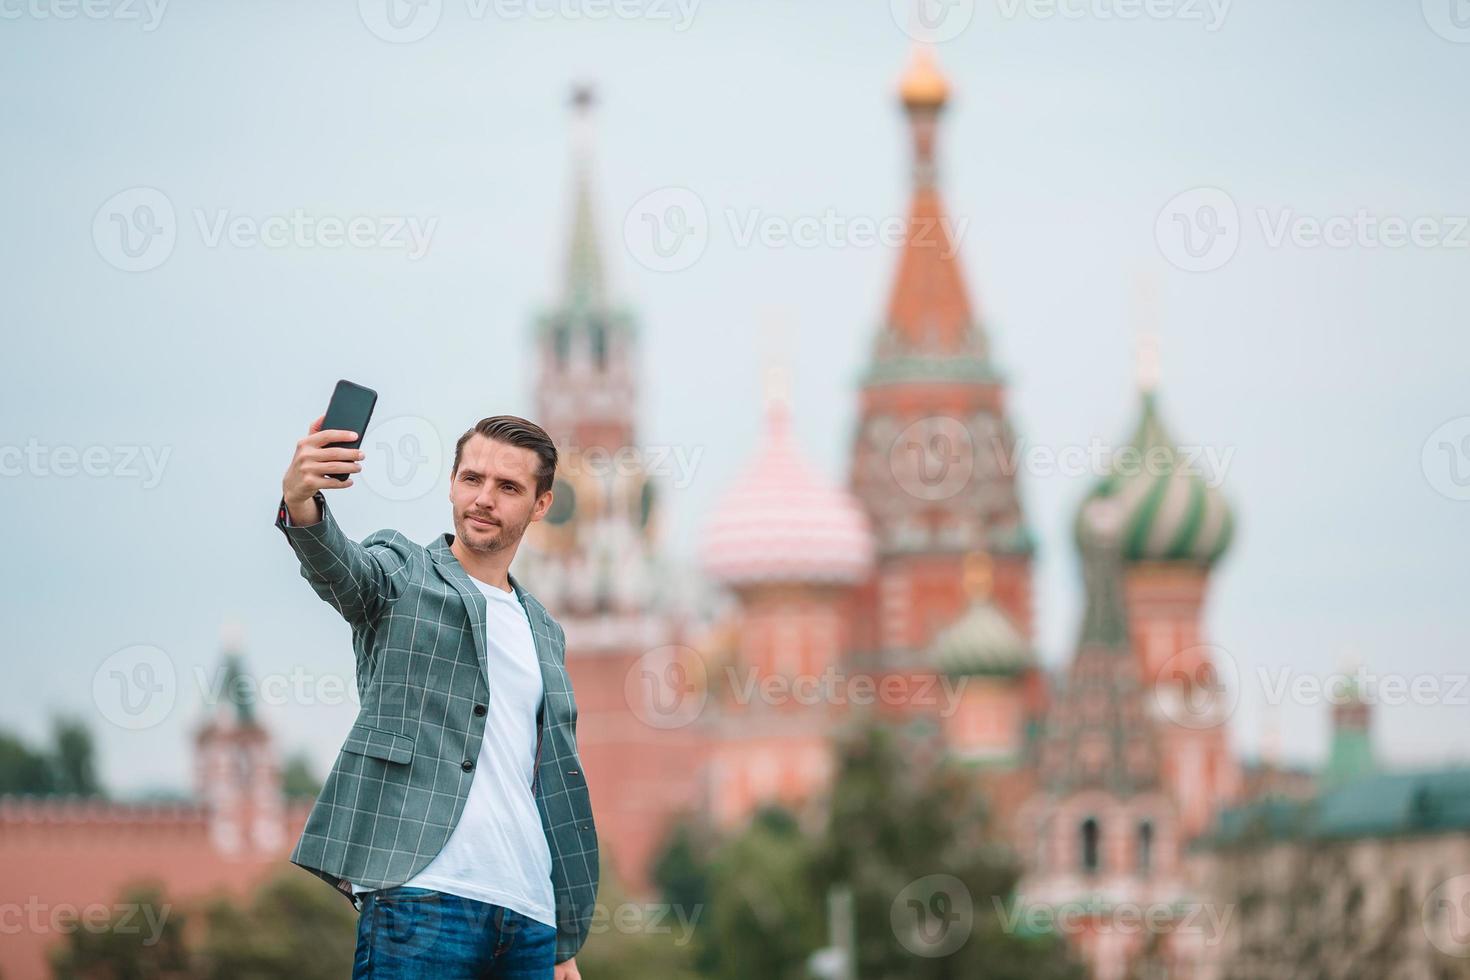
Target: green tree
point(67, 766)
point(73, 760)
point(632, 940)
point(297, 779)
point(142, 939)
point(22, 769)
point(681, 872)
point(293, 927)
point(901, 813)
point(766, 915)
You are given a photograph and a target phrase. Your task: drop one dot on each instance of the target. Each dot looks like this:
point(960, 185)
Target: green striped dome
point(982, 641)
point(1157, 500)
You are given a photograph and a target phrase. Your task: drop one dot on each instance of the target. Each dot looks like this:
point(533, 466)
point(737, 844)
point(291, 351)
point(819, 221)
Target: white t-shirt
point(497, 853)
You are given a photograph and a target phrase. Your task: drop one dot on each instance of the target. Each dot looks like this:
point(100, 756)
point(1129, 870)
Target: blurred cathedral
point(1113, 779)
point(917, 572)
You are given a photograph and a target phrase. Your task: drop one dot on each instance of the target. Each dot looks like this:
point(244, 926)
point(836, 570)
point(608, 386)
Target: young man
point(456, 817)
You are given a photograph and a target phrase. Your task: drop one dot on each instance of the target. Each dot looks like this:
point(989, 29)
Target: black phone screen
point(351, 408)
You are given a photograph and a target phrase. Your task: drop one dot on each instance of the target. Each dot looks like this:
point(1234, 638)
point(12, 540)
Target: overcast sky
point(1333, 375)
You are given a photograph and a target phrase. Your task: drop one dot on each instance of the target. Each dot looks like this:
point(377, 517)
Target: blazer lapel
point(454, 573)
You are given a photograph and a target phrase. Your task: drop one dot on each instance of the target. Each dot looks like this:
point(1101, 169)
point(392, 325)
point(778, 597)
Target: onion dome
point(923, 85)
point(781, 522)
point(1158, 500)
point(983, 640)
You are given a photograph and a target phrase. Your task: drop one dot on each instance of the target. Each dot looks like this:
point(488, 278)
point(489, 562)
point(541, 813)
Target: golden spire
point(923, 85)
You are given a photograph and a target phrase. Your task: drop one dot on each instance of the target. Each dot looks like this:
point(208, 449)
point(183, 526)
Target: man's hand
point(566, 970)
point(309, 468)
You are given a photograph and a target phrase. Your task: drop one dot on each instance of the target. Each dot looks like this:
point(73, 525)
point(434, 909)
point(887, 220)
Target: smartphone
point(350, 409)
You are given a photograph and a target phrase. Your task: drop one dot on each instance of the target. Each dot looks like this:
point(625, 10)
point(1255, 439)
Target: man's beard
point(505, 536)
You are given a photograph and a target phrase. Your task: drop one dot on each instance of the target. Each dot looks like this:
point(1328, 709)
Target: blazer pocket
point(378, 743)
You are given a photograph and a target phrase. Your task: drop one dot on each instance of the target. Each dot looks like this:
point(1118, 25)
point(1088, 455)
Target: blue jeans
point(416, 933)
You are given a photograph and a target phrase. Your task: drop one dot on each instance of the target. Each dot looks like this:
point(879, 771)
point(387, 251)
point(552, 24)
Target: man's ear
point(543, 504)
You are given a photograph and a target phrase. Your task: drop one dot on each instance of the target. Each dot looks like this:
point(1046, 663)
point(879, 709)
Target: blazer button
point(467, 765)
point(480, 710)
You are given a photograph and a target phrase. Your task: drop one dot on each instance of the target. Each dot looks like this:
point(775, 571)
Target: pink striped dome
point(782, 522)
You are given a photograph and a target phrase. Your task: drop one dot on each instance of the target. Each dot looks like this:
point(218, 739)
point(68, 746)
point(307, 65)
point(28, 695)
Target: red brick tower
point(1102, 832)
point(932, 441)
point(237, 776)
point(593, 560)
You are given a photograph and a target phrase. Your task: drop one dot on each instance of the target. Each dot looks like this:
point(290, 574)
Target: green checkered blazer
point(401, 780)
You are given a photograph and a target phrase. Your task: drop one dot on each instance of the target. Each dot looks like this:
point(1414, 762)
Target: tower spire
point(584, 274)
point(929, 309)
point(924, 91)
point(1145, 300)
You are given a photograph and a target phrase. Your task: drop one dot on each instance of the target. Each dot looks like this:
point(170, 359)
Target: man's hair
point(515, 431)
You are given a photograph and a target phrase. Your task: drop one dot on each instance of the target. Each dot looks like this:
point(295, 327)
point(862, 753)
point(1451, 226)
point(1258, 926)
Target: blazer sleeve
point(359, 580)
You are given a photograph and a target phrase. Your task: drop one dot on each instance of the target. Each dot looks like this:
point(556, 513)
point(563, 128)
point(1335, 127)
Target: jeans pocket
point(405, 893)
point(411, 921)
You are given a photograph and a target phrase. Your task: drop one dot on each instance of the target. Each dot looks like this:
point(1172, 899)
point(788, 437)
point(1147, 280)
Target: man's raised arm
point(359, 580)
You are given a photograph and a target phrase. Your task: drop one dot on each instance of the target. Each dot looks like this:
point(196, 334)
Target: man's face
point(494, 494)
